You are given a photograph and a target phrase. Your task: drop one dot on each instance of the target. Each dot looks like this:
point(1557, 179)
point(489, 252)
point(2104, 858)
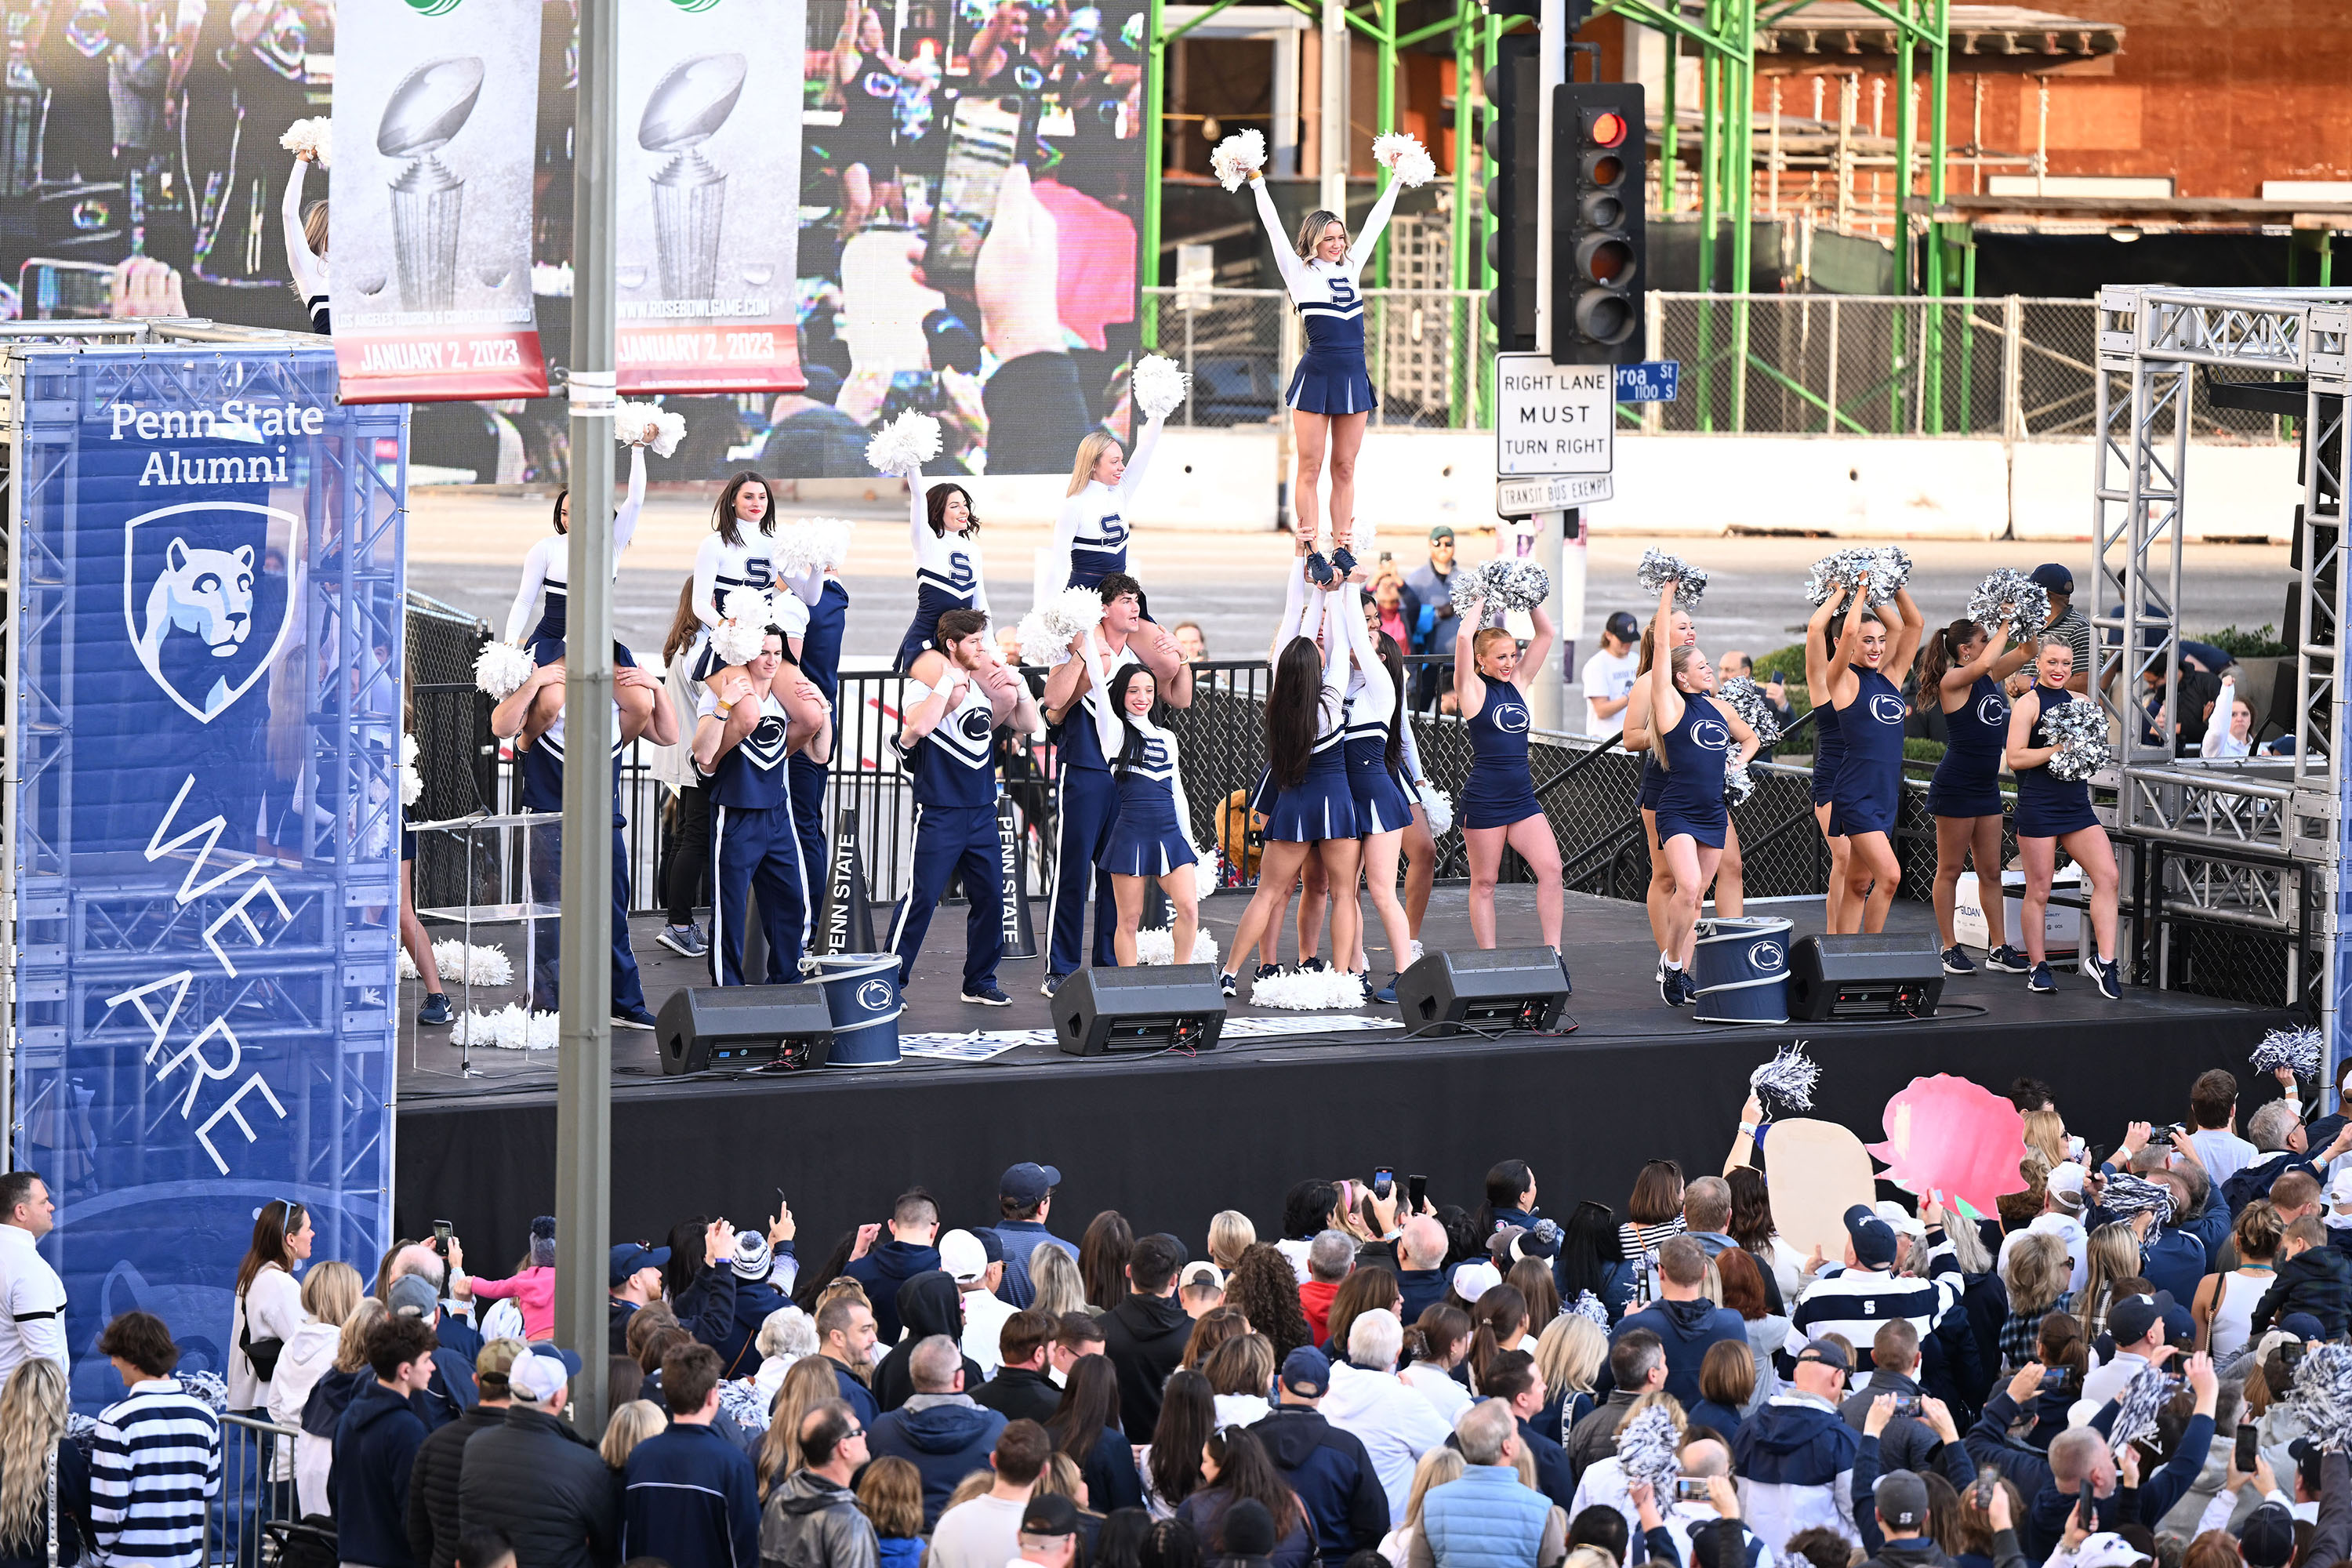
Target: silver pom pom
point(2143, 1401)
point(2008, 597)
point(1588, 1306)
point(2079, 730)
point(1646, 1449)
point(2322, 1395)
point(2304, 1050)
point(2126, 1196)
point(1748, 699)
point(1658, 569)
point(1517, 584)
point(1738, 784)
point(1788, 1078)
point(1873, 575)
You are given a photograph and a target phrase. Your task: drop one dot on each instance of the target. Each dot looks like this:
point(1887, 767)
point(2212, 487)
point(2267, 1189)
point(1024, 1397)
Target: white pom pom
point(739, 641)
point(1658, 568)
point(550, 282)
point(2079, 731)
point(1041, 646)
point(1309, 991)
point(501, 669)
point(1159, 386)
point(406, 967)
point(1204, 877)
point(1238, 157)
point(2323, 1395)
point(411, 783)
point(508, 1029)
point(2140, 1406)
point(472, 965)
point(903, 446)
point(1646, 1449)
point(1738, 784)
point(313, 139)
point(1439, 807)
point(1748, 699)
point(1406, 157)
point(629, 422)
point(809, 546)
point(1157, 945)
point(1073, 611)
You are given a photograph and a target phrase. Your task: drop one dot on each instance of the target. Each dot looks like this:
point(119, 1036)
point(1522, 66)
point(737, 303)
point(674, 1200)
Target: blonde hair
point(2045, 1134)
point(33, 1410)
point(1659, 1399)
point(331, 1291)
point(1090, 452)
point(1311, 228)
point(1435, 1469)
point(1054, 1274)
point(1062, 1477)
point(631, 1424)
point(1486, 640)
point(314, 228)
point(1569, 1350)
point(1230, 1234)
point(890, 1495)
point(2112, 1254)
point(808, 1382)
point(351, 1351)
point(1683, 658)
point(977, 1484)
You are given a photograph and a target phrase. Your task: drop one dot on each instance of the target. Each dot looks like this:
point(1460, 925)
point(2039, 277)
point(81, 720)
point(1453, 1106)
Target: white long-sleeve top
point(548, 564)
point(272, 1306)
point(722, 569)
point(34, 1322)
point(1317, 287)
point(2219, 741)
point(946, 564)
point(1371, 700)
point(1300, 611)
point(1093, 533)
point(1111, 726)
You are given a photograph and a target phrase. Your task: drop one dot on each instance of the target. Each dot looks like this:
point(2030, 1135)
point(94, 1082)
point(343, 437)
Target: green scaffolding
point(1723, 34)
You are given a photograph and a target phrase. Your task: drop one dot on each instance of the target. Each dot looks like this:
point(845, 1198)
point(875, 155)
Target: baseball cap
point(413, 1296)
point(2268, 1539)
point(2065, 1181)
point(1902, 1499)
point(991, 1245)
point(631, 1256)
point(1873, 1237)
point(1307, 1370)
point(1441, 532)
point(2106, 1550)
point(2179, 1327)
point(1028, 1182)
point(752, 1259)
point(540, 1373)
point(1901, 1219)
point(1049, 1513)
point(1204, 1274)
point(2053, 577)
point(2303, 1326)
point(1623, 626)
point(1474, 1279)
point(496, 1359)
point(2130, 1319)
point(962, 1255)
point(1829, 1352)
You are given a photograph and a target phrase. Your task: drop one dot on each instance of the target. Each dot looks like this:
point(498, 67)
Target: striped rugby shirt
point(156, 1461)
point(1858, 1302)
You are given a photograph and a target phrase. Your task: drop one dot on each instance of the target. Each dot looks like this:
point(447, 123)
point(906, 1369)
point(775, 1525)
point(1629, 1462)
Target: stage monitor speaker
point(1156, 1007)
point(1863, 977)
point(783, 1027)
point(1490, 989)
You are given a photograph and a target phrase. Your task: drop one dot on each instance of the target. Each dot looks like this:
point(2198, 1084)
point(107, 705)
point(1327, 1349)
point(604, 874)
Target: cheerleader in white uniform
point(734, 561)
point(548, 561)
point(1331, 394)
point(1095, 535)
point(1148, 841)
point(946, 536)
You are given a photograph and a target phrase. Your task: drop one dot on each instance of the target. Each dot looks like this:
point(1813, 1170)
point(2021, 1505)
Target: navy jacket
point(1019, 1238)
point(2174, 1261)
point(1870, 1463)
point(367, 1483)
point(1333, 1477)
point(1554, 1479)
point(929, 1303)
point(754, 1300)
point(1109, 1472)
point(690, 1499)
point(882, 1271)
point(1687, 1330)
point(860, 1397)
point(2317, 1280)
point(945, 1436)
point(1421, 1288)
point(1018, 1393)
point(2046, 1507)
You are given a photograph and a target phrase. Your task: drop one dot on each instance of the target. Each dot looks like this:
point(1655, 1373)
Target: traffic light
point(1598, 135)
point(1514, 175)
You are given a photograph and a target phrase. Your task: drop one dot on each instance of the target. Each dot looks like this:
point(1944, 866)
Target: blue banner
point(206, 822)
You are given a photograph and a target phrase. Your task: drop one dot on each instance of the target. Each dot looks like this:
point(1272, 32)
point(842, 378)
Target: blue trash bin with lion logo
point(861, 991)
point(1741, 965)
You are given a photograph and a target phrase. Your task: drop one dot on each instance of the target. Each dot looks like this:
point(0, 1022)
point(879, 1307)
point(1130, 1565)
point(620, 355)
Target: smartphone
point(442, 1229)
point(2246, 1455)
point(2055, 1379)
point(2088, 1508)
point(986, 136)
point(1691, 1489)
point(1988, 1477)
point(1416, 1189)
point(1384, 1183)
point(1906, 1405)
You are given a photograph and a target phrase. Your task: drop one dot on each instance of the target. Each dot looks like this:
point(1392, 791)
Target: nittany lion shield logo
point(205, 597)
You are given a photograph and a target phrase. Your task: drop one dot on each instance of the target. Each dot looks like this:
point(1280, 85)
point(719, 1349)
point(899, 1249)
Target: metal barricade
point(256, 1492)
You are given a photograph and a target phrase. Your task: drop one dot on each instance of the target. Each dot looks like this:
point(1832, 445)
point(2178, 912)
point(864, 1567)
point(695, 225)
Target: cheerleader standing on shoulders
point(1498, 799)
point(957, 693)
point(1312, 809)
point(1693, 737)
point(733, 560)
point(1966, 668)
point(1093, 531)
point(1682, 632)
point(2053, 814)
point(1148, 839)
point(1331, 394)
point(1869, 790)
point(945, 532)
point(548, 561)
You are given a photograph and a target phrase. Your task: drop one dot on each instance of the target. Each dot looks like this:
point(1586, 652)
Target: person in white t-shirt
point(2213, 1113)
point(1609, 675)
point(977, 1265)
point(986, 1531)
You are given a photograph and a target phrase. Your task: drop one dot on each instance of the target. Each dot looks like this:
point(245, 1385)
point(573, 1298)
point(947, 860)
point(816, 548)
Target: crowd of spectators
point(1371, 1388)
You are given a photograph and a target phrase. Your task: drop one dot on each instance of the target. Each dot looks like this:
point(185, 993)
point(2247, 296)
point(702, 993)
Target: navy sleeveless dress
point(1501, 789)
point(1870, 779)
point(1968, 780)
point(1654, 777)
point(1829, 750)
point(1322, 806)
point(1145, 839)
point(2049, 807)
point(1696, 750)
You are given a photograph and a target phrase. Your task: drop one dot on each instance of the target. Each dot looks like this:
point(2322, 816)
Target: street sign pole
point(1547, 694)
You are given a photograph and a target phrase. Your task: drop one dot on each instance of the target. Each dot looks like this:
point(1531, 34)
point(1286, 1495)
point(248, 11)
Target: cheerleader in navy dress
point(1498, 799)
point(1867, 794)
point(1312, 808)
point(2053, 813)
point(1966, 669)
point(1682, 632)
point(1149, 838)
point(1693, 737)
point(1331, 394)
point(946, 537)
point(1829, 755)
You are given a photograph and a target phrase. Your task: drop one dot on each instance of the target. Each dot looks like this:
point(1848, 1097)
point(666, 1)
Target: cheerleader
point(1093, 533)
point(1498, 799)
point(1692, 737)
point(1729, 878)
point(1331, 394)
point(733, 558)
point(945, 532)
point(741, 737)
point(1149, 838)
point(547, 562)
point(2053, 814)
point(1384, 806)
point(957, 693)
point(1829, 754)
point(1966, 668)
point(305, 247)
point(1868, 793)
point(1312, 808)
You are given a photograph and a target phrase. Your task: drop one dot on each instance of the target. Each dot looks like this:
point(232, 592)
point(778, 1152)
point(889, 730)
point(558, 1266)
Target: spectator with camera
point(913, 1224)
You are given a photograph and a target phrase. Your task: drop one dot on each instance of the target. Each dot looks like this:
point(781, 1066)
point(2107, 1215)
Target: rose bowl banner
point(708, 201)
point(435, 125)
point(204, 816)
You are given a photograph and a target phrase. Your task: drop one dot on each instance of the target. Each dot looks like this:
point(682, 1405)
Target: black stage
point(1169, 1140)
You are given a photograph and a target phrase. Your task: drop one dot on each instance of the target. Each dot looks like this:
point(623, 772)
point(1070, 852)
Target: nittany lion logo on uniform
point(763, 748)
point(1715, 737)
point(1886, 708)
point(204, 619)
point(1993, 710)
point(976, 725)
point(1511, 720)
